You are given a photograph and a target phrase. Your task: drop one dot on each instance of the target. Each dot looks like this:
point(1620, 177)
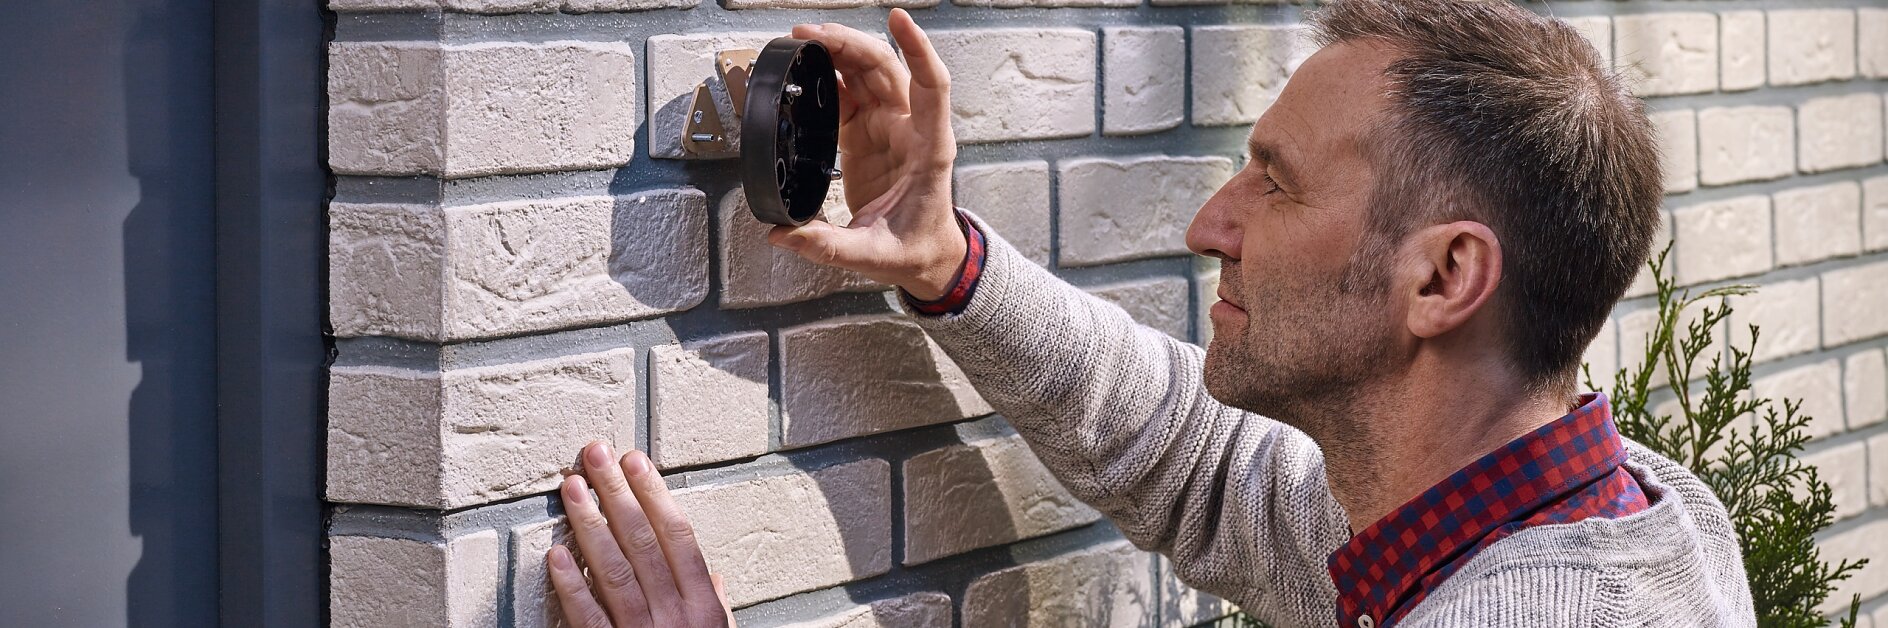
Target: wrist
point(938, 277)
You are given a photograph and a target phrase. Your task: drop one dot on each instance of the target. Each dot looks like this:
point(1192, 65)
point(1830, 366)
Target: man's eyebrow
point(1261, 151)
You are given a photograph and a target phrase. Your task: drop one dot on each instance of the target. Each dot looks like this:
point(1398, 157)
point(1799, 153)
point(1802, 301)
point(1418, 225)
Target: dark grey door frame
point(271, 235)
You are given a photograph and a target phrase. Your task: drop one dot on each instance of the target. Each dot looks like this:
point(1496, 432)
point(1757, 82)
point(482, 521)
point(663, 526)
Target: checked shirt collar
point(1565, 471)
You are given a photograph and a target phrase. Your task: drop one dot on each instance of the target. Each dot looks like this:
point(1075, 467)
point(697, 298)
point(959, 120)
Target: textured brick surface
point(1643, 284)
point(755, 273)
point(1143, 89)
point(1865, 389)
point(677, 63)
point(1817, 223)
point(1817, 385)
point(1238, 71)
point(1598, 30)
point(1207, 292)
point(1158, 303)
point(533, 602)
point(1859, 542)
point(473, 435)
point(1092, 587)
point(1012, 4)
point(1738, 144)
point(1668, 53)
point(980, 494)
point(515, 266)
point(375, 582)
point(1722, 239)
point(1878, 472)
point(1845, 468)
point(1785, 312)
point(1875, 214)
point(1853, 300)
point(856, 376)
point(1182, 606)
point(1117, 210)
point(827, 4)
point(708, 400)
point(1741, 59)
point(1634, 327)
point(918, 610)
point(479, 109)
point(1013, 197)
point(1811, 45)
point(775, 535)
point(1016, 84)
point(1872, 41)
point(592, 6)
point(1678, 148)
point(1840, 132)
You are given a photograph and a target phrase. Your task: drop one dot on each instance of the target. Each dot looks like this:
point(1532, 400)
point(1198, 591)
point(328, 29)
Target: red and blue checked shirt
point(1565, 471)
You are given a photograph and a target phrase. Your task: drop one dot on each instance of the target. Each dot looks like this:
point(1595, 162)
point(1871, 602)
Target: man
point(1437, 215)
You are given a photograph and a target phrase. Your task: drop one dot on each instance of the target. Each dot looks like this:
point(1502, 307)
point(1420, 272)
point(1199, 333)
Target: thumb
point(858, 249)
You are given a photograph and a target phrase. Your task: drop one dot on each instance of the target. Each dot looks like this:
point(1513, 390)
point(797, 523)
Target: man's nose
point(1214, 233)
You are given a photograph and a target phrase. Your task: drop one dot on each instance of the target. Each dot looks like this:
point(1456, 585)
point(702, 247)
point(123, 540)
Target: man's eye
point(1270, 185)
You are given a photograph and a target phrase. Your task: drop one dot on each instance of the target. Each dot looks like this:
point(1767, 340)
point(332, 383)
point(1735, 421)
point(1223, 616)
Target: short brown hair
point(1508, 118)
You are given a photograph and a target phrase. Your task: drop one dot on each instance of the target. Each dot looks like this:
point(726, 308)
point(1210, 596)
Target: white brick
point(1875, 214)
point(1014, 199)
point(1860, 542)
point(678, 63)
point(1818, 386)
point(1678, 148)
point(1208, 292)
point(479, 109)
point(1117, 210)
point(1105, 586)
point(1644, 284)
point(1668, 53)
point(1840, 132)
point(374, 582)
point(1738, 144)
point(1853, 300)
point(1845, 469)
point(1878, 470)
point(776, 535)
point(511, 267)
point(1143, 92)
point(708, 400)
point(918, 610)
point(1865, 390)
point(592, 6)
point(494, 7)
point(1722, 239)
point(1602, 355)
point(1872, 39)
point(533, 602)
point(1014, 4)
point(473, 435)
point(856, 376)
point(1741, 35)
point(1635, 325)
point(756, 274)
point(1238, 71)
point(1019, 84)
point(1161, 303)
point(1817, 223)
point(1786, 316)
point(382, 5)
point(1183, 606)
point(980, 494)
point(1598, 30)
point(1811, 45)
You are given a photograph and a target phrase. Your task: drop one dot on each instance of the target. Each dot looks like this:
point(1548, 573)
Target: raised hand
point(645, 566)
point(896, 145)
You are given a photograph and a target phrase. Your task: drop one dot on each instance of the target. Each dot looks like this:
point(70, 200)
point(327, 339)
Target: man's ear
point(1457, 267)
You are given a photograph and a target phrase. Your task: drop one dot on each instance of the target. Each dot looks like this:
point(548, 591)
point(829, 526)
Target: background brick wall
point(521, 261)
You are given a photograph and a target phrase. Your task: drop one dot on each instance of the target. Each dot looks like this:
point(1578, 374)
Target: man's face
point(1291, 335)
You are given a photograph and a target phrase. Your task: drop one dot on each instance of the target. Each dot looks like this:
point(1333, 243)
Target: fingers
point(721, 592)
point(677, 537)
point(573, 593)
point(867, 64)
point(629, 527)
point(930, 80)
point(616, 585)
point(858, 248)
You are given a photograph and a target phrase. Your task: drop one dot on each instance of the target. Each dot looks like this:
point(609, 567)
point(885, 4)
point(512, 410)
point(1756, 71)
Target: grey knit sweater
point(1240, 503)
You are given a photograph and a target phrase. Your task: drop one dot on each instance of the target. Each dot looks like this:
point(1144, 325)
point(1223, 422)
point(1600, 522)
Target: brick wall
point(521, 261)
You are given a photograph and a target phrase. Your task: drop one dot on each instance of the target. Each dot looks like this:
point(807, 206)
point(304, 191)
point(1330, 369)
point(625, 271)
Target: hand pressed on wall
point(645, 566)
point(896, 148)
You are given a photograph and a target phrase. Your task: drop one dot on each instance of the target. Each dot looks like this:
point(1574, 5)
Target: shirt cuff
point(963, 284)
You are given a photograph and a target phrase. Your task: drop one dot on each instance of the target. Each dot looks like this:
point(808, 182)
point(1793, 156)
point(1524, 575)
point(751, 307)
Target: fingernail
point(636, 463)
point(560, 558)
point(597, 455)
point(576, 490)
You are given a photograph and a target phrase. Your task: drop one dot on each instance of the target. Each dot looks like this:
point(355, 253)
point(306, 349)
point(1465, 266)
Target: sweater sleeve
point(1120, 414)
